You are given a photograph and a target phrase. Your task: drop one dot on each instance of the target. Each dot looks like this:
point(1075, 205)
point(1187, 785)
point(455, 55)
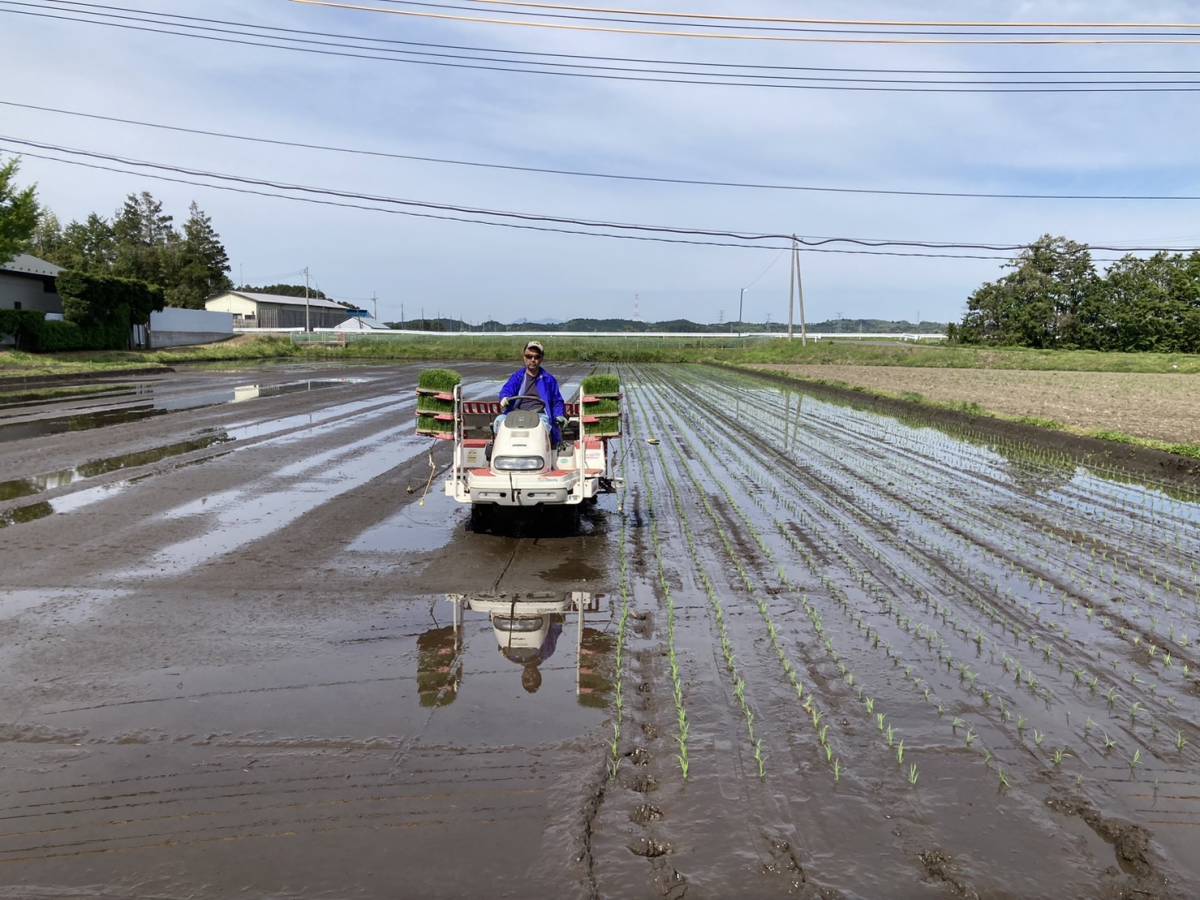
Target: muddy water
point(278, 666)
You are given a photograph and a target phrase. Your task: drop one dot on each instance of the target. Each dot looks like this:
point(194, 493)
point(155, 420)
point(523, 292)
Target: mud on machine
point(517, 466)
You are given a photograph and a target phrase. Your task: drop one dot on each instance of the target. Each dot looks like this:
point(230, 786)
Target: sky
point(1092, 143)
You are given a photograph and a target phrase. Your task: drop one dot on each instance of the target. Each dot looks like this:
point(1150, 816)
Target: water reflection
point(528, 629)
point(162, 406)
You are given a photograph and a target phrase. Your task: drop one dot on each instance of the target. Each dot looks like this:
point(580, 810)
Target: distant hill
point(837, 326)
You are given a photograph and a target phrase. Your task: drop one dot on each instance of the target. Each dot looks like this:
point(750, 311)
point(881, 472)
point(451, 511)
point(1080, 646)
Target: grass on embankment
point(634, 348)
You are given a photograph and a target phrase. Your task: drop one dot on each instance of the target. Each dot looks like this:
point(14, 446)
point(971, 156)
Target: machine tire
point(483, 516)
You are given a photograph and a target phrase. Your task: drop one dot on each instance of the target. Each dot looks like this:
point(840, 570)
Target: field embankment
point(634, 348)
point(1148, 406)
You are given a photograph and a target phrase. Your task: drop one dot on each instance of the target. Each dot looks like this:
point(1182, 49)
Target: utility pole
point(800, 291)
point(375, 303)
point(402, 320)
point(741, 300)
point(307, 320)
point(792, 290)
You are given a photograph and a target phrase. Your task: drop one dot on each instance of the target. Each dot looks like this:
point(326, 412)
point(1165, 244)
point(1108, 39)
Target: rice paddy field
point(812, 646)
point(874, 660)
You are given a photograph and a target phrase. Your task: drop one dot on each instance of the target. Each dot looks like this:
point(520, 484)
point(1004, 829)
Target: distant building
point(359, 323)
point(252, 310)
point(27, 282)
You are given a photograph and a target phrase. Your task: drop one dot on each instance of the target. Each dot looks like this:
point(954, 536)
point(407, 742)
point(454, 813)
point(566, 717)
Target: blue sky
point(1094, 143)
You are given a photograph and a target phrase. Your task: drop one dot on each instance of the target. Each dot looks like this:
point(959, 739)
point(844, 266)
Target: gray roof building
point(27, 282)
point(254, 310)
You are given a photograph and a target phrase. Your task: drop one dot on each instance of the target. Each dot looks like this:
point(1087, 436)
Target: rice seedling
point(913, 775)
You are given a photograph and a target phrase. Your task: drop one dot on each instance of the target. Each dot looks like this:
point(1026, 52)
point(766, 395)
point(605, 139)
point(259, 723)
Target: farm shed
point(251, 310)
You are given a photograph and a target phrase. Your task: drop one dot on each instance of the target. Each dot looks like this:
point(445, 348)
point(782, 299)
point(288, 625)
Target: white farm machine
point(515, 465)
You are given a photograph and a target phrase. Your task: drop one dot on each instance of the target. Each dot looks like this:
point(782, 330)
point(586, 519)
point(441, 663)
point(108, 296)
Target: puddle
point(239, 517)
point(87, 421)
point(414, 529)
point(36, 484)
point(23, 401)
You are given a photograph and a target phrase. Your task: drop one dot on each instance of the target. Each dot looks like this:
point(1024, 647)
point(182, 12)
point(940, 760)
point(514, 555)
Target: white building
point(27, 282)
point(251, 310)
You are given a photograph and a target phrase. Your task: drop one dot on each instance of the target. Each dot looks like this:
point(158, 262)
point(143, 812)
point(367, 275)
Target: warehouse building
point(251, 310)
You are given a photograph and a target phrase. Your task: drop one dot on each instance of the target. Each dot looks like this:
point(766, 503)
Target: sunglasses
point(533, 356)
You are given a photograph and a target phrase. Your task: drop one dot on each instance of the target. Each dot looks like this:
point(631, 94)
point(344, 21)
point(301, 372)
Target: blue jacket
point(547, 386)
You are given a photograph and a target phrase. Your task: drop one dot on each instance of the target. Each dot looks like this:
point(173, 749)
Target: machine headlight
point(518, 463)
point(523, 624)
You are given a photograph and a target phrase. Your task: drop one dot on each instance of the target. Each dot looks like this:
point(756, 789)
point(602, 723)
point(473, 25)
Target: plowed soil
point(1163, 407)
point(824, 653)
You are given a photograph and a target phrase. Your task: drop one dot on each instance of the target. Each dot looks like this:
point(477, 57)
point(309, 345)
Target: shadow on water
point(526, 631)
point(87, 421)
point(538, 521)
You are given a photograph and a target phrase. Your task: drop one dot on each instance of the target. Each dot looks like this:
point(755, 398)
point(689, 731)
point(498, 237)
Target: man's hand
point(504, 401)
point(562, 422)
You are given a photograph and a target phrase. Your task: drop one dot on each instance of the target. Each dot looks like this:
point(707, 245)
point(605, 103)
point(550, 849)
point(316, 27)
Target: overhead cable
point(656, 179)
point(737, 36)
point(863, 28)
point(521, 227)
point(749, 237)
point(605, 73)
point(179, 20)
point(815, 21)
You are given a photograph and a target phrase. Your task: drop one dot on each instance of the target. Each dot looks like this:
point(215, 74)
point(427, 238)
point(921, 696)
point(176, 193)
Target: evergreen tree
point(146, 240)
point(200, 263)
point(47, 236)
point(88, 246)
point(18, 213)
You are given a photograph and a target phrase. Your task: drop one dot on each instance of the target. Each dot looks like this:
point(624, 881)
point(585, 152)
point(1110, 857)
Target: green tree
point(283, 290)
point(1153, 304)
point(146, 240)
point(200, 263)
point(1048, 300)
point(18, 213)
point(88, 246)
point(47, 236)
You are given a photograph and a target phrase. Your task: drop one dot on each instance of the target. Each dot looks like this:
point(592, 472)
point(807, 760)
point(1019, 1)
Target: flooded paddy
point(809, 650)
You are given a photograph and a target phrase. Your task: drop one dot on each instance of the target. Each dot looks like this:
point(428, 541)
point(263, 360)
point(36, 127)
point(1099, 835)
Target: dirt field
point(823, 654)
point(1164, 407)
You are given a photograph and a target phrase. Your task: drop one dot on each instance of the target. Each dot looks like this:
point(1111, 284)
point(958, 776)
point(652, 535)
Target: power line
point(732, 36)
point(381, 154)
point(810, 241)
point(540, 228)
point(814, 21)
point(861, 27)
point(642, 60)
point(607, 73)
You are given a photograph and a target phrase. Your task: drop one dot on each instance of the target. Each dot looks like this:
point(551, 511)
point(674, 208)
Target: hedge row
point(32, 333)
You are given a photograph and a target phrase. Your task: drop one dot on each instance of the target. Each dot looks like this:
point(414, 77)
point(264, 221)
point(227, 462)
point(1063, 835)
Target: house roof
point(282, 300)
point(24, 264)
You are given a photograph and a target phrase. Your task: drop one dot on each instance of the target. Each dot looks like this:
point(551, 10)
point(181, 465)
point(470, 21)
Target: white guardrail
point(718, 335)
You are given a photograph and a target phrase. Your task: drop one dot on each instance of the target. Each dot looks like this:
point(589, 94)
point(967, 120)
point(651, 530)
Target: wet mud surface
point(808, 651)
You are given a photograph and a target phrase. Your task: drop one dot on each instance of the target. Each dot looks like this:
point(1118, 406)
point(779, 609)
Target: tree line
point(633, 326)
point(1054, 297)
point(140, 242)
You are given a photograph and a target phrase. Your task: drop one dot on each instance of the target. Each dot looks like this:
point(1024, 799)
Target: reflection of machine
point(527, 628)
